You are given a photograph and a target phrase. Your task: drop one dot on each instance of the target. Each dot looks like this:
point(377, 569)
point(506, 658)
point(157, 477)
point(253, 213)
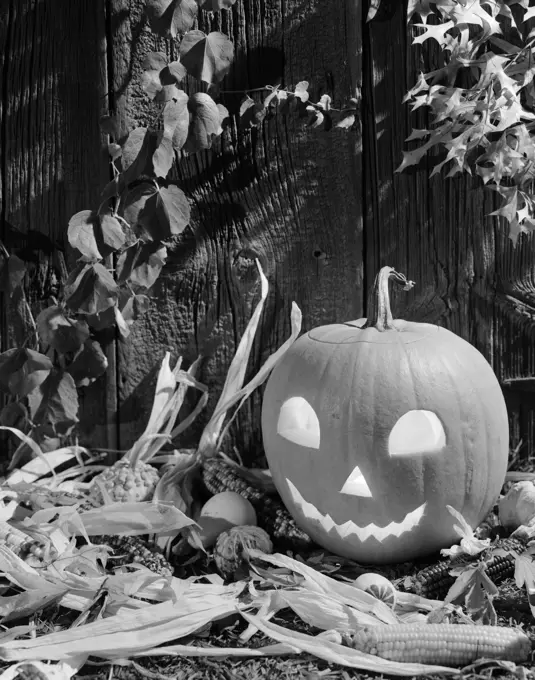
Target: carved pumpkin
point(372, 427)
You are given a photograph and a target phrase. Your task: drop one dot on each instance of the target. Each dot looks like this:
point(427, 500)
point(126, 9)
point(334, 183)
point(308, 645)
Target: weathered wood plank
point(287, 195)
point(53, 160)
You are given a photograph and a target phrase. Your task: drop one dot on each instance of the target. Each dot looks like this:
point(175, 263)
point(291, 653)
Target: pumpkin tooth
point(349, 528)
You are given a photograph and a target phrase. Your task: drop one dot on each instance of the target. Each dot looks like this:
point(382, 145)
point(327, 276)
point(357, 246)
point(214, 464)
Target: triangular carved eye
point(298, 423)
point(356, 485)
point(416, 432)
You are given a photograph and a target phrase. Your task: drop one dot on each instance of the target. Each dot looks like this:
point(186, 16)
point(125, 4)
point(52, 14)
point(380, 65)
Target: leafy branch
point(481, 101)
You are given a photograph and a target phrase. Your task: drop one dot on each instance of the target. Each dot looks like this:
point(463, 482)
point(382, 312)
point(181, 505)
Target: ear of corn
point(447, 644)
point(134, 550)
point(434, 582)
point(36, 552)
point(272, 516)
point(124, 482)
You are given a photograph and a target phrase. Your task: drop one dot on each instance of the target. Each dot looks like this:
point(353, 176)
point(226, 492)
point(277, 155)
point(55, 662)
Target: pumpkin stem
point(379, 312)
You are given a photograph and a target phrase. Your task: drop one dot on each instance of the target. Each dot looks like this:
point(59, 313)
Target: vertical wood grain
point(53, 158)
point(284, 194)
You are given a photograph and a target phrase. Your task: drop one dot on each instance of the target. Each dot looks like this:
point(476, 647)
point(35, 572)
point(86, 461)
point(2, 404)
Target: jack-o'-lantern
point(372, 427)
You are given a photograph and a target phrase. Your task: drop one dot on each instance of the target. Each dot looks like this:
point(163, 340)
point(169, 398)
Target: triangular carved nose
point(356, 485)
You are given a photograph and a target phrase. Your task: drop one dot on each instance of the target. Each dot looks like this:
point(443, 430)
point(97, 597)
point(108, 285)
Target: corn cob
point(447, 644)
point(35, 552)
point(124, 482)
point(435, 581)
point(135, 550)
point(271, 513)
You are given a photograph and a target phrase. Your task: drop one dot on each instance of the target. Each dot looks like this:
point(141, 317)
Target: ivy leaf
point(174, 134)
point(215, 5)
point(115, 151)
point(223, 115)
point(12, 272)
point(151, 82)
point(132, 146)
point(172, 211)
point(317, 117)
point(252, 113)
point(89, 364)
point(90, 289)
point(169, 18)
point(158, 214)
point(137, 155)
point(111, 236)
point(22, 370)
point(175, 71)
point(81, 235)
point(135, 307)
point(58, 401)
point(57, 331)
point(204, 122)
point(136, 158)
point(206, 57)
point(347, 119)
point(135, 210)
point(141, 264)
point(301, 91)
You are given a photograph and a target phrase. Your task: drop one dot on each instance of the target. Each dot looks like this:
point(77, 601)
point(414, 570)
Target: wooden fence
point(321, 210)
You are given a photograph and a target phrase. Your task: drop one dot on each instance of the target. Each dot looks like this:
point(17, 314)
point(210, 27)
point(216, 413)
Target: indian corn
point(272, 516)
point(36, 552)
point(124, 482)
point(446, 644)
point(435, 581)
point(134, 550)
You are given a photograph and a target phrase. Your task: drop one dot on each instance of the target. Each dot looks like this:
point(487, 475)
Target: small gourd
point(221, 512)
point(378, 586)
point(231, 552)
point(517, 507)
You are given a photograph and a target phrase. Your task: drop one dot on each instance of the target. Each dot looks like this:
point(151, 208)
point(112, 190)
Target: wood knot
point(244, 266)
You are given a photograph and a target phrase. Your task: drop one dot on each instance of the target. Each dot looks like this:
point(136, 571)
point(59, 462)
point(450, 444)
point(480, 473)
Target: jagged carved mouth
point(351, 530)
